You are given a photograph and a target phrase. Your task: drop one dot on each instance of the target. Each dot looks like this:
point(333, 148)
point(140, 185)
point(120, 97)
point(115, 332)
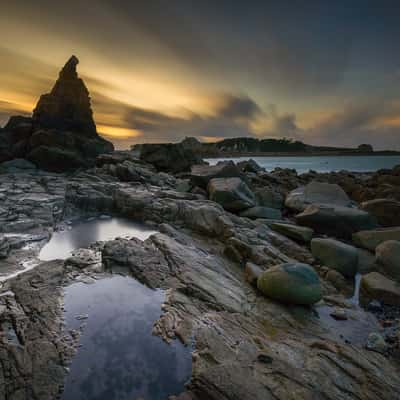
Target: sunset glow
point(155, 78)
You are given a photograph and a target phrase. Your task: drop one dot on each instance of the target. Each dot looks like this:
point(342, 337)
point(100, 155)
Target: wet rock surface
point(246, 345)
point(171, 157)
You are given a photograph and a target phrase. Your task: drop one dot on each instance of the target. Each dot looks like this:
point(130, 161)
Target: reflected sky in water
point(120, 359)
point(355, 329)
point(83, 233)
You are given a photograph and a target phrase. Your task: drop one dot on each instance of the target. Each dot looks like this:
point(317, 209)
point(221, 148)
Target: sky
point(324, 72)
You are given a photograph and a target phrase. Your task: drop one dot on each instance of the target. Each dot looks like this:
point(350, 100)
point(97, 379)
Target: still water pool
point(119, 358)
point(84, 232)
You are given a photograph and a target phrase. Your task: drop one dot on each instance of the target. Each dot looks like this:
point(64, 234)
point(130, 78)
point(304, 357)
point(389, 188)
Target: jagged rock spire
point(67, 107)
point(69, 69)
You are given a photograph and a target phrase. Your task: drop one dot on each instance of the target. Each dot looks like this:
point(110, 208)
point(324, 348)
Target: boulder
point(56, 159)
point(202, 174)
point(366, 261)
point(249, 166)
point(386, 211)
point(6, 146)
point(376, 343)
point(252, 273)
point(291, 283)
point(317, 193)
point(83, 258)
point(337, 255)
point(337, 221)
point(261, 212)
point(18, 164)
point(375, 286)
point(298, 233)
point(231, 193)
point(337, 280)
point(370, 239)
point(388, 256)
point(268, 197)
point(171, 157)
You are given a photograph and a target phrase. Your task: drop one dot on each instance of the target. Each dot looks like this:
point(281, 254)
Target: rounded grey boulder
point(388, 256)
point(291, 283)
point(337, 255)
point(317, 193)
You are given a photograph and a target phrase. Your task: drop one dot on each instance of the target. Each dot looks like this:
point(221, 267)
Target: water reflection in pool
point(83, 233)
point(119, 358)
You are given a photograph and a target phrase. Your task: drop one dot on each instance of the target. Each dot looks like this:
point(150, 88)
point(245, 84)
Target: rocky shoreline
point(283, 286)
point(249, 343)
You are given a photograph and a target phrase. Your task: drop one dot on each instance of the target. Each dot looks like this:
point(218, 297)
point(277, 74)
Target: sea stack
point(61, 135)
point(67, 106)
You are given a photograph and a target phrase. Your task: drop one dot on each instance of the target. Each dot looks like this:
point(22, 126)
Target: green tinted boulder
point(291, 283)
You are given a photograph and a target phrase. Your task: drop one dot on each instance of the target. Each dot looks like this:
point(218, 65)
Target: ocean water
point(321, 163)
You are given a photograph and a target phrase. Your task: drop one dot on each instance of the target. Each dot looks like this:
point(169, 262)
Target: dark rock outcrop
point(202, 174)
point(171, 157)
point(67, 106)
point(61, 135)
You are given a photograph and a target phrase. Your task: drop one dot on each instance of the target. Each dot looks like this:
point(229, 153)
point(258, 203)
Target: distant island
point(247, 146)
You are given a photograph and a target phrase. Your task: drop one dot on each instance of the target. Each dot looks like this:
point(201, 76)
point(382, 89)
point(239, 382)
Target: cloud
point(239, 108)
point(280, 124)
point(7, 109)
point(232, 116)
point(361, 123)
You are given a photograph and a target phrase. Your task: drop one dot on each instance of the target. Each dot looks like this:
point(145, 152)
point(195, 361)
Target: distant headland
point(247, 146)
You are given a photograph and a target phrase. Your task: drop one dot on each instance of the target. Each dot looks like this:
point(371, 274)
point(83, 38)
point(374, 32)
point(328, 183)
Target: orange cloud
point(118, 132)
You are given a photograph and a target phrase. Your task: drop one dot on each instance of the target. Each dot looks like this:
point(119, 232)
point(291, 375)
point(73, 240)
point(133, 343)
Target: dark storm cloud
point(232, 118)
point(303, 55)
point(294, 47)
point(239, 107)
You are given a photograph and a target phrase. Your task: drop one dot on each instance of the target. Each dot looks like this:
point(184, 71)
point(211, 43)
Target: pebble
point(376, 343)
point(339, 314)
point(81, 317)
